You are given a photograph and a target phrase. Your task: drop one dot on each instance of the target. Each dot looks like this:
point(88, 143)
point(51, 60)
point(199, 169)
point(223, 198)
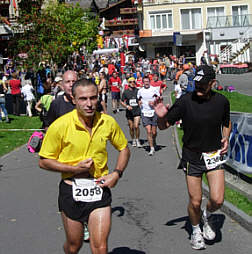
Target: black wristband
point(119, 172)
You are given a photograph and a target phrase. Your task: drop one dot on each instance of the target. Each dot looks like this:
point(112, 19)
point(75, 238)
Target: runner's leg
point(154, 134)
point(74, 235)
point(136, 126)
point(131, 128)
point(195, 197)
point(114, 104)
point(99, 225)
point(216, 183)
point(149, 135)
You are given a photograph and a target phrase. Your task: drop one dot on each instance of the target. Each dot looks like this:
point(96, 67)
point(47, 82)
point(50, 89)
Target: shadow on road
point(157, 148)
point(125, 250)
point(216, 220)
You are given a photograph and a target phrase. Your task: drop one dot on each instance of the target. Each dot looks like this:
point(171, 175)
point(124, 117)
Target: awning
point(105, 51)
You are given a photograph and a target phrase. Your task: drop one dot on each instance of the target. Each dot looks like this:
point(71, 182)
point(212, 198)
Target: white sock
point(196, 228)
point(152, 148)
point(206, 213)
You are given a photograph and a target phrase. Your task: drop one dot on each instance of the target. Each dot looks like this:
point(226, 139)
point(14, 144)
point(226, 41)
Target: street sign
point(177, 38)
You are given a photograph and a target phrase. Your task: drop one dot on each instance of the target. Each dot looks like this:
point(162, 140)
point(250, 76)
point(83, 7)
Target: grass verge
point(239, 103)
point(9, 139)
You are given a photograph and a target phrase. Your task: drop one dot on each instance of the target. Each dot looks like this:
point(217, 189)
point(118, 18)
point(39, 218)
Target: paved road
point(241, 82)
point(149, 207)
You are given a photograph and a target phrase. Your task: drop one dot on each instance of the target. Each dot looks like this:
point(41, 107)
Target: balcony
point(120, 33)
point(152, 2)
point(123, 22)
point(145, 33)
point(229, 21)
point(128, 10)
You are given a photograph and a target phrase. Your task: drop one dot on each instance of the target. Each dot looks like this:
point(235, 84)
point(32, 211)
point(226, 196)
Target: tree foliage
point(53, 32)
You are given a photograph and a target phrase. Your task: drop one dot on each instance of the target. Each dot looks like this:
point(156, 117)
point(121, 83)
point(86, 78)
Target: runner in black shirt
point(133, 112)
point(207, 126)
point(63, 104)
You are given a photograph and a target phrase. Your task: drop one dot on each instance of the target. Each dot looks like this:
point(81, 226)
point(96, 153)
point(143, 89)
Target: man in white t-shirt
point(146, 96)
point(27, 92)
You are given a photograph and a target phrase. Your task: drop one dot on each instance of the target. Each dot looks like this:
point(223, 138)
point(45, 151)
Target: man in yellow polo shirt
point(75, 145)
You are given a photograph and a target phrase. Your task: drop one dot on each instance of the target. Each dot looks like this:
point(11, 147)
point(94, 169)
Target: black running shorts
point(79, 211)
point(191, 169)
point(193, 163)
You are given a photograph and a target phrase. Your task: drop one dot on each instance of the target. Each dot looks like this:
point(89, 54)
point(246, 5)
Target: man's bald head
point(69, 78)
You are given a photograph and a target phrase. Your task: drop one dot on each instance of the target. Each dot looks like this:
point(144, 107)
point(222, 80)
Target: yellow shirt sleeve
point(117, 139)
point(51, 145)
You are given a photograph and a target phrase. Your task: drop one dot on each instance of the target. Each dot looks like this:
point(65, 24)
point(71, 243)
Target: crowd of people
point(21, 90)
point(73, 104)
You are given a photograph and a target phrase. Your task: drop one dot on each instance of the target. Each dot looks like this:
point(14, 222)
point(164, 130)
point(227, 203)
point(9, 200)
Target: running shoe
point(86, 233)
point(197, 241)
point(138, 143)
point(134, 143)
point(208, 232)
point(152, 151)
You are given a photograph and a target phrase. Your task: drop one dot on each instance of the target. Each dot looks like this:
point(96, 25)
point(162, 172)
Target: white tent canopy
point(105, 51)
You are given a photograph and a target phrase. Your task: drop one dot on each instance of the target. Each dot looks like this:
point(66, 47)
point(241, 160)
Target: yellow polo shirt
point(68, 141)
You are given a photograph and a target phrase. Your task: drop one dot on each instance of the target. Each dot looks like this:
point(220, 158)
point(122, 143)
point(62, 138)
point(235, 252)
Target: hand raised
point(160, 109)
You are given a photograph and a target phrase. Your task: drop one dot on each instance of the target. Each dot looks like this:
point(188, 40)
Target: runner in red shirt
point(138, 80)
point(115, 84)
point(111, 69)
point(158, 83)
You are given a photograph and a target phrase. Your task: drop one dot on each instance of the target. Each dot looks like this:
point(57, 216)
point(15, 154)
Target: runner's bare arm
point(123, 103)
point(225, 138)
point(111, 179)
point(54, 165)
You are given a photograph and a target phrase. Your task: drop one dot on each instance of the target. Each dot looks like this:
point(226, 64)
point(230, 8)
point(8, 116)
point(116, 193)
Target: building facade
point(197, 27)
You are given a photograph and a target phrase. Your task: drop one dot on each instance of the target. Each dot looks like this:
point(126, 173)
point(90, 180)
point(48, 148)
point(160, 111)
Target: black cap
point(204, 74)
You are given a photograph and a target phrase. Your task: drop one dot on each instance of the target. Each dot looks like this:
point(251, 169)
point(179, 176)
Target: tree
point(52, 32)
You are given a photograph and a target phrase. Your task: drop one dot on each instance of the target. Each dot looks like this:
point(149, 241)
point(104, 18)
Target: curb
point(242, 218)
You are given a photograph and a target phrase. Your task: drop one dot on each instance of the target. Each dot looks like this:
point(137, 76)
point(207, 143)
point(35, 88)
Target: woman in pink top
point(15, 85)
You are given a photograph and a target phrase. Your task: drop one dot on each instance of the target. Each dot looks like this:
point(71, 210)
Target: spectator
point(27, 92)
point(183, 78)
point(3, 90)
point(15, 86)
point(162, 71)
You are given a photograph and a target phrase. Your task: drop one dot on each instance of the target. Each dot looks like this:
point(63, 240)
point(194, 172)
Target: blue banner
point(240, 143)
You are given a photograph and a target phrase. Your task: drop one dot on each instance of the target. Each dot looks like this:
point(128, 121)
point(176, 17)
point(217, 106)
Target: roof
point(101, 4)
point(114, 4)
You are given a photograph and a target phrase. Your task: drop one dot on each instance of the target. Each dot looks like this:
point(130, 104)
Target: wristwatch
point(119, 172)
